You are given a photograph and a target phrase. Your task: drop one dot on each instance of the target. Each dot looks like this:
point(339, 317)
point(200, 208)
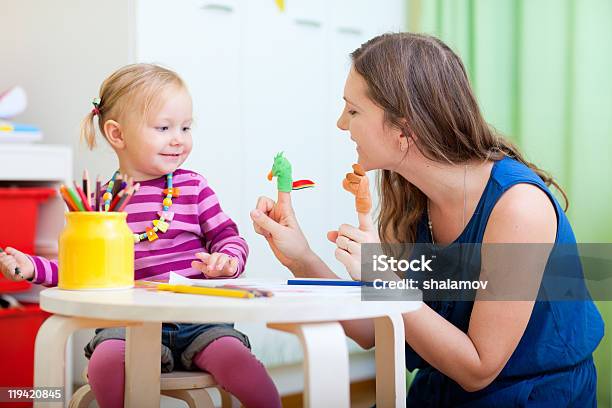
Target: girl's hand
point(215, 265)
point(277, 223)
point(348, 240)
point(13, 261)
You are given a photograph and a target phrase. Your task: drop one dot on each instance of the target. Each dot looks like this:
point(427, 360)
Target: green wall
point(542, 72)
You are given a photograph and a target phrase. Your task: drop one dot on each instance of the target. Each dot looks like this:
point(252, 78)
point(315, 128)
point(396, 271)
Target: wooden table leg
point(50, 350)
point(142, 365)
point(326, 364)
point(390, 362)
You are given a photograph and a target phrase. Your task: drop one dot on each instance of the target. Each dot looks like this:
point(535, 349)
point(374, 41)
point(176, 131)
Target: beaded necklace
point(165, 216)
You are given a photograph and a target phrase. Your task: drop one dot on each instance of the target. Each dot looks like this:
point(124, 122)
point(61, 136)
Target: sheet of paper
point(277, 286)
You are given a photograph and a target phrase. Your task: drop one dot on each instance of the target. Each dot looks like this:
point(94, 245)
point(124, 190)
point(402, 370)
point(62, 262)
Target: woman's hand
point(277, 223)
point(348, 240)
point(15, 265)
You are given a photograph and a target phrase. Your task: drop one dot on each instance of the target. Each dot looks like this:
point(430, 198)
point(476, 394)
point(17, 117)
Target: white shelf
point(35, 162)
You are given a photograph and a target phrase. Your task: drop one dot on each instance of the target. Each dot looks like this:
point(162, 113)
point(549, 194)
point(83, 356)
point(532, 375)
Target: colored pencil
point(75, 199)
point(97, 193)
point(197, 290)
point(128, 197)
point(324, 282)
point(86, 189)
point(116, 200)
point(68, 199)
point(256, 292)
point(117, 185)
point(82, 196)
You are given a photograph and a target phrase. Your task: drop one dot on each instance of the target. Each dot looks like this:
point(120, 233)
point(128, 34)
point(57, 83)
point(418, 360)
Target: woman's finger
point(366, 223)
point(264, 204)
point(266, 223)
point(343, 256)
point(349, 262)
point(351, 232)
point(332, 236)
point(284, 198)
point(348, 245)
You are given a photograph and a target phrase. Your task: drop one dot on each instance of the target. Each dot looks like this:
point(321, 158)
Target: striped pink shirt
point(199, 225)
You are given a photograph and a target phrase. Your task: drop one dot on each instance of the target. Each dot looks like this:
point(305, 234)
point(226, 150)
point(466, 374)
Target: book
point(19, 133)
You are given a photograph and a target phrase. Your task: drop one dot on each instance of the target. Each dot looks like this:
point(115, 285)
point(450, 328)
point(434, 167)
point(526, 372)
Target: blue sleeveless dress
point(552, 364)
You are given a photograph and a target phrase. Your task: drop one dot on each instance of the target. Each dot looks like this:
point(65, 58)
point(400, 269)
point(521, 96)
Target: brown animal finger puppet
point(357, 183)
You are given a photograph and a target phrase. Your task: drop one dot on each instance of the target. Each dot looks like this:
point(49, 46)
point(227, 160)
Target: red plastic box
point(19, 212)
point(17, 348)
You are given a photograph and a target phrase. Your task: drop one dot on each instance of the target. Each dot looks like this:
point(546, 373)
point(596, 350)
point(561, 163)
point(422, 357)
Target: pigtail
point(88, 130)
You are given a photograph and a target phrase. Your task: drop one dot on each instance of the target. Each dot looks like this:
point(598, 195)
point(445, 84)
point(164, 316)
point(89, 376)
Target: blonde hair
point(131, 90)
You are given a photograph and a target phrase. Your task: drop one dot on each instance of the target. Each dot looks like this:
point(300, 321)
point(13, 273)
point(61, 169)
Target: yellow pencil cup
point(96, 251)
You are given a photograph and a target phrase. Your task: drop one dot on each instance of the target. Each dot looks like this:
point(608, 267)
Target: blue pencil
point(324, 282)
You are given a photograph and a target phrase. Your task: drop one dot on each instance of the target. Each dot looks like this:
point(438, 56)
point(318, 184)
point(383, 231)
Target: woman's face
point(377, 143)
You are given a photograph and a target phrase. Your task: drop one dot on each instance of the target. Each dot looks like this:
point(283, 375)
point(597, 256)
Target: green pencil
point(75, 198)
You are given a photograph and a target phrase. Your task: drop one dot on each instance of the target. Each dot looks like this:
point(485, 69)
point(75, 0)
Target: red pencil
point(82, 196)
point(116, 200)
point(128, 197)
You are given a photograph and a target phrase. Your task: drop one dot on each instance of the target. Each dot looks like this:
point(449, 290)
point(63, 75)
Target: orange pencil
point(69, 202)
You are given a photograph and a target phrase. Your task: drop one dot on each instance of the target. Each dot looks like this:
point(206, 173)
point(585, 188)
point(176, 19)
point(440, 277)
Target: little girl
point(145, 113)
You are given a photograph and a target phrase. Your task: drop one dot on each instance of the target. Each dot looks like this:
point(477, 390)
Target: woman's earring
point(403, 145)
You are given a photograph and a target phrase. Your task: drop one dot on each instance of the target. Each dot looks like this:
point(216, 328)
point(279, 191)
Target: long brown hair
point(422, 86)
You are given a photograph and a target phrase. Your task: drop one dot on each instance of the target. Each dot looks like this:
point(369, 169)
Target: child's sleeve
point(220, 232)
point(45, 270)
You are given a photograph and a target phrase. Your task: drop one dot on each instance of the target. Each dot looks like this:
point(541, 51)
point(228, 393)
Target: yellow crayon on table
point(198, 290)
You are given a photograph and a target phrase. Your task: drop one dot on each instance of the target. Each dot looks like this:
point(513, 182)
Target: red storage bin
point(18, 328)
point(19, 211)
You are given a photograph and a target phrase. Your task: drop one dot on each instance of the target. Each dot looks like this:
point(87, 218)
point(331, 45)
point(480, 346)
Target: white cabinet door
point(285, 107)
point(200, 39)
point(346, 33)
point(387, 16)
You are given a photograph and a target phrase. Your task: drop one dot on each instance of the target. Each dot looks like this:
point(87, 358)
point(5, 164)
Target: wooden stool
point(189, 386)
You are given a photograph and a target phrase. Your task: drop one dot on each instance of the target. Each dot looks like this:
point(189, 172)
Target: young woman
point(446, 177)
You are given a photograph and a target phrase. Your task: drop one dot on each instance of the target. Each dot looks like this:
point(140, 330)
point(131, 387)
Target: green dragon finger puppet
point(281, 169)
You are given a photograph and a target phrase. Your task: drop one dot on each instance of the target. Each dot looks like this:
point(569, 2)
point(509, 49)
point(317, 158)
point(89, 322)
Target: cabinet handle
point(308, 22)
point(218, 7)
point(350, 30)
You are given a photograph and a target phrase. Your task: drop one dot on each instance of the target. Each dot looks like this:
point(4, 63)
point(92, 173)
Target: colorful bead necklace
point(161, 224)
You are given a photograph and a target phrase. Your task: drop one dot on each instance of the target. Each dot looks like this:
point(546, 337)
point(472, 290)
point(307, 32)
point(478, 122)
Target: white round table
point(312, 317)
